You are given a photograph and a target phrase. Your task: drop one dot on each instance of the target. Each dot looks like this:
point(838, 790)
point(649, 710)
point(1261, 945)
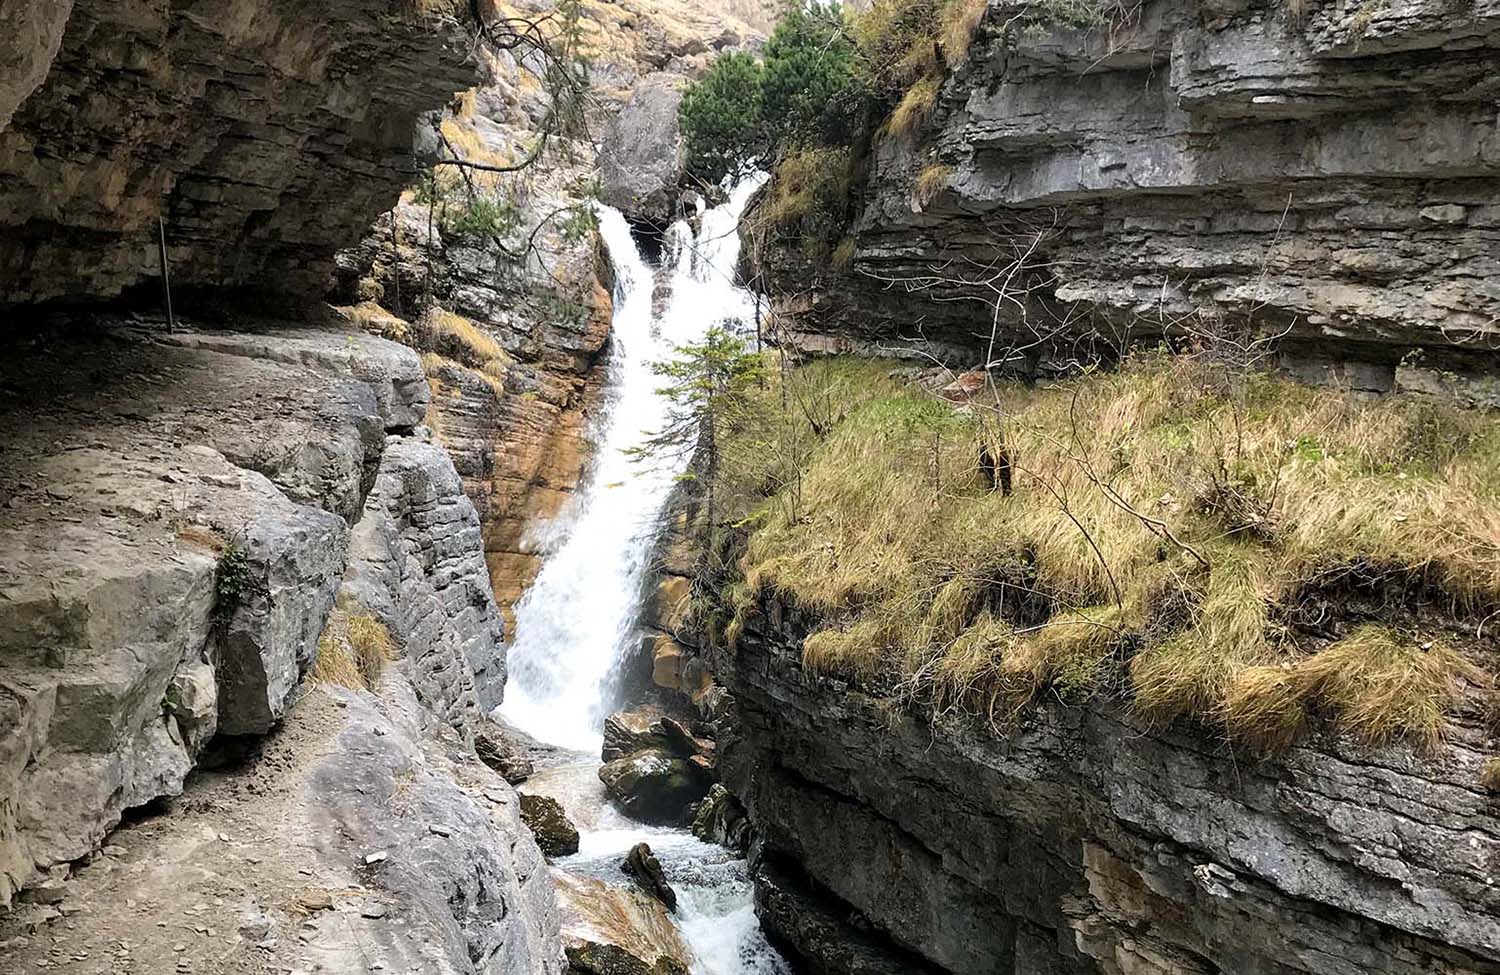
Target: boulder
point(720, 819)
point(555, 833)
point(654, 785)
point(590, 958)
point(497, 750)
point(683, 743)
point(628, 732)
point(642, 866)
point(640, 153)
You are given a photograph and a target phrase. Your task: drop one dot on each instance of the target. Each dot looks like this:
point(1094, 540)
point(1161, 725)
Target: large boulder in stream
point(555, 833)
point(591, 958)
point(633, 730)
point(656, 786)
point(643, 867)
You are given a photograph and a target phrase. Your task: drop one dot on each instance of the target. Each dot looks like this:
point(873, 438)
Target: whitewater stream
point(577, 619)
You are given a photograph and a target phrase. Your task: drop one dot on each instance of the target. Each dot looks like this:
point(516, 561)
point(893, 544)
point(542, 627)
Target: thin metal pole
point(166, 277)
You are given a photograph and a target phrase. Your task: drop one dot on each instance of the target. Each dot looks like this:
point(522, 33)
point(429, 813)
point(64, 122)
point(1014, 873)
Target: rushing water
point(575, 621)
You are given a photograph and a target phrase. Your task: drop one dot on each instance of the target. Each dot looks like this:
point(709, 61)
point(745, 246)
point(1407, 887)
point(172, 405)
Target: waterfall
point(576, 619)
point(571, 626)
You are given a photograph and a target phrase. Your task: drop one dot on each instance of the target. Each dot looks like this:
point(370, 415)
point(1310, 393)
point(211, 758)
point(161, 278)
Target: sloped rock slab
point(362, 839)
point(134, 471)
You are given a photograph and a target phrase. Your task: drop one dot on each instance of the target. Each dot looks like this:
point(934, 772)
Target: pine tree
point(707, 388)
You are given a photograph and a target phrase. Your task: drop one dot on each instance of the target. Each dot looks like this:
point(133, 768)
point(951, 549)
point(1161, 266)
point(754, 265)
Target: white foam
point(575, 621)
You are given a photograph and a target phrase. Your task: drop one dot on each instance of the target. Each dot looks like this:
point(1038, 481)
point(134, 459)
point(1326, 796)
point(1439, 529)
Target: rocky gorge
point(251, 631)
point(338, 634)
point(1075, 189)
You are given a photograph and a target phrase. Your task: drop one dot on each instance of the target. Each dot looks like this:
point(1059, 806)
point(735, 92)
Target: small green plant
point(581, 223)
point(744, 112)
point(707, 388)
point(234, 582)
point(483, 216)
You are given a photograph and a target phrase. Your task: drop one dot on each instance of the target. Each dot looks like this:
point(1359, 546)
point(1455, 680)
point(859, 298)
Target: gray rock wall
point(1334, 175)
point(417, 562)
point(1084, 842)
point(179, 515)
point(265, 133)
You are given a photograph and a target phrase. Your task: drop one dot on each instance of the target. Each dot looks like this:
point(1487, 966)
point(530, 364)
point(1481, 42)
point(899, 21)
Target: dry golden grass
point(1489, 775)
point(1380, 685)
point(370, 317)
point(492, 374)
point(466, 142)
point(930, 182)
point(459, 338)
point(914, 108)
point(843, 254)
point(805, 181)
point(864, 505)
point(353, 651)
point(202, 537)
point(958, 20)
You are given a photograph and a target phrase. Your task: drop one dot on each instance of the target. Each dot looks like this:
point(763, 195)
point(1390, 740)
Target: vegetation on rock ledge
point(1249, 553)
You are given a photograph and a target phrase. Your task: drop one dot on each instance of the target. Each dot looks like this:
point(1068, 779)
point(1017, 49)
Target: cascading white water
point(574, 622)
point(571, 624)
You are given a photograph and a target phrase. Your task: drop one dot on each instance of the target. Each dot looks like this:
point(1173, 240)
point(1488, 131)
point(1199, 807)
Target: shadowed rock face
point(265, 133)
point(1336, 175)
point(1084, 842)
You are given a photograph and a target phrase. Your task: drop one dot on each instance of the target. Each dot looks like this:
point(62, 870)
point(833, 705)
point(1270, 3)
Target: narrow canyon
point(639, 487)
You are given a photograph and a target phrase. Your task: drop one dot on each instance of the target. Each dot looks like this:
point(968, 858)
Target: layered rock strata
point(1085, 842)
point(1328, 172)
point(182, 511)
point(261, 135)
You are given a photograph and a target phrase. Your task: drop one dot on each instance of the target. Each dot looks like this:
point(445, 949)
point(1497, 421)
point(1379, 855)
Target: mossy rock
point(544, 816)
point(656, 786)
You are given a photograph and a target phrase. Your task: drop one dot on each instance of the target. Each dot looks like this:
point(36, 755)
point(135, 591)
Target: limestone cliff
point(264, 135)
point(190, 519)
point(1085, 842)
point(1327, 170)
point(1325, 173)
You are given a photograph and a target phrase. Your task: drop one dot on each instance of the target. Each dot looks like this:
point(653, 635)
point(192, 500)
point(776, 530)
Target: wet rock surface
point(643, 867)
point(654, 785)
point(720, 819)
point(633, 730)
point(829, 940)
point(597, 959)
point(1084, 842)
point(655, 768)
point(544, 816)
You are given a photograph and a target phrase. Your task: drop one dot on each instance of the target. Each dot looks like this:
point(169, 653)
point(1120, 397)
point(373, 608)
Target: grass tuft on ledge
point(1255, 555)
point(353, 651)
